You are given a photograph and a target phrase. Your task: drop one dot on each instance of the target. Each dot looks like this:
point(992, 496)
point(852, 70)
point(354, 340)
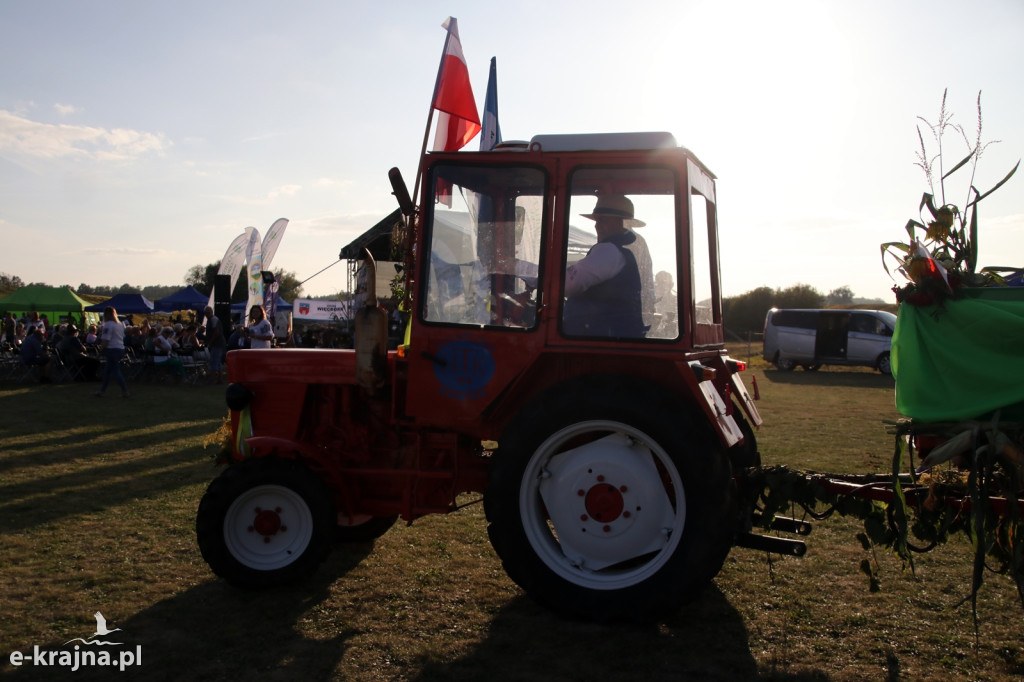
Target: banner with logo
point(310, 309)
point(254, 261)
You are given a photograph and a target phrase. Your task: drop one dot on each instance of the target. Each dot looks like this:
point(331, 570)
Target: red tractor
point(608, 446)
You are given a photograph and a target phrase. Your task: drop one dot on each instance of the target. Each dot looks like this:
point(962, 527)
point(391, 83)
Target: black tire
point(884, 364)
point(265, 522)
point(606, 502)
point(785, 364)
point(362, 528)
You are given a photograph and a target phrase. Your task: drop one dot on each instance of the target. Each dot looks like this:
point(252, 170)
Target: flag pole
point(447, 25)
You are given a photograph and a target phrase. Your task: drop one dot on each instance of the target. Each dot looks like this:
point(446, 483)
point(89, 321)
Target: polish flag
point(457, 120)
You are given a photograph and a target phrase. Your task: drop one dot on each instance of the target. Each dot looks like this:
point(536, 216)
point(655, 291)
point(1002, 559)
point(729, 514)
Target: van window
point(868, 324)
point(800, 319)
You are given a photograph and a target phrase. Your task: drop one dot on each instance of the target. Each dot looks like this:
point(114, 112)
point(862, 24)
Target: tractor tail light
point(736, 365)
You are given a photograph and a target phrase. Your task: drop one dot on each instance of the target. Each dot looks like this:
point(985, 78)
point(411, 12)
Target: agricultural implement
point(616, 463)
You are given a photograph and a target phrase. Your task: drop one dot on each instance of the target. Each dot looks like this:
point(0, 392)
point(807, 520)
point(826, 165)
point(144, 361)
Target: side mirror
point(401, 192)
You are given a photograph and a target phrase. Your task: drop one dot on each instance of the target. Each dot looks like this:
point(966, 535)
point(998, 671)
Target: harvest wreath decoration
point(958, 461)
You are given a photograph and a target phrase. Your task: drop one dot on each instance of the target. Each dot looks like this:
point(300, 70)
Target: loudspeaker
point(222, 300)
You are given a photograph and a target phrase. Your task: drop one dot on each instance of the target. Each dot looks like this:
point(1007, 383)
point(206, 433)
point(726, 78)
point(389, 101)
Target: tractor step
point(786, 525)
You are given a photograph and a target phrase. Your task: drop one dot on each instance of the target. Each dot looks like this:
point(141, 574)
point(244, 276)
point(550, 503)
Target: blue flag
point(491, 135)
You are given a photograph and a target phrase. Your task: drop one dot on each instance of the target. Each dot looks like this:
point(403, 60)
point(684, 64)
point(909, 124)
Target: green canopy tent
point(54, 302)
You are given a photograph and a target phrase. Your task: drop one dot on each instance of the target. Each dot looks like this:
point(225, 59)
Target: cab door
point(476, 318)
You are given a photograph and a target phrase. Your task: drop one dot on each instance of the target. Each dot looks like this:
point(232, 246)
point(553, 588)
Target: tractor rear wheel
point(609, 504)
point(265, 522)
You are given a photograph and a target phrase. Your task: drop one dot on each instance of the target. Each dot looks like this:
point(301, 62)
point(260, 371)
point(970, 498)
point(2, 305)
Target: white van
point(812, 338)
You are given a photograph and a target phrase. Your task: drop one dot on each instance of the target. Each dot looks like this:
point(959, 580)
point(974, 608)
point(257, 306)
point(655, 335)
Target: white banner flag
point(272, 240)
point(233, 260)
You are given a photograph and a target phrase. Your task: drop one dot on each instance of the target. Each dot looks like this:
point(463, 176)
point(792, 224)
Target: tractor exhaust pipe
point(371, 336)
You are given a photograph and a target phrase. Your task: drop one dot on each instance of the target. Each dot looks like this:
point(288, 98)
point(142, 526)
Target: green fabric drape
point(963, 359)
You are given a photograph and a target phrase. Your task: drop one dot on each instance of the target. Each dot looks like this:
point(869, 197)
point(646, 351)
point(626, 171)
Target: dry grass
point(97, 512)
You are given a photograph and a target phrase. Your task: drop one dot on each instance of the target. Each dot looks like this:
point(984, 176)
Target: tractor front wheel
point(265, 522)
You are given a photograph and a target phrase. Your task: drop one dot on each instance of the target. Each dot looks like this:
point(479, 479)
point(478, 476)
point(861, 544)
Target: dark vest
point(613, 307)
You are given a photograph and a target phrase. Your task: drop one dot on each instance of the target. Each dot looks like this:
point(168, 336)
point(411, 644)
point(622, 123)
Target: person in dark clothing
point(72, 352)
point(34, 354)
point(610, 291)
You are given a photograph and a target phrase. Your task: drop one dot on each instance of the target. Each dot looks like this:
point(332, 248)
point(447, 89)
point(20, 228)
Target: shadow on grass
point(90, 489)
point(214, 631)
point(823, 377)
point(706, 640)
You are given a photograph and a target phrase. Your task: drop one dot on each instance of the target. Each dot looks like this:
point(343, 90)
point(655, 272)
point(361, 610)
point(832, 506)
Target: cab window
point(620, 258)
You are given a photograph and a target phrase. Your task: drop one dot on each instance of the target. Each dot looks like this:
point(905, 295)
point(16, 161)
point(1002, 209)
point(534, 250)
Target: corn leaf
point(959, 165)
point(972, 241)
point(997, 186)
point(899, 246)
point(929, 201)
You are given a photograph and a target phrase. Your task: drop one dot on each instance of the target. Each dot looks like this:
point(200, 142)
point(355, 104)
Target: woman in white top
point(259, 333)
point(112, 347)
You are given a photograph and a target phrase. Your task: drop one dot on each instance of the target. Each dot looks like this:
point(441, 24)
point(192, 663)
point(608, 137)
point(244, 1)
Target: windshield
point(484, 246)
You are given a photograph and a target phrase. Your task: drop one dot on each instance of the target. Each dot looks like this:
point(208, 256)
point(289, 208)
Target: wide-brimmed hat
point(615, 205)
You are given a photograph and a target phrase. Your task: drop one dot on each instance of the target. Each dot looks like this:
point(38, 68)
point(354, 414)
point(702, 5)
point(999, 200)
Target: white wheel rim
point(606, 514)
point(268, 527)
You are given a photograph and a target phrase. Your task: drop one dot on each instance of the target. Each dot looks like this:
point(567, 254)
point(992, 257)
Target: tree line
point(199, 276)
point(745, 313)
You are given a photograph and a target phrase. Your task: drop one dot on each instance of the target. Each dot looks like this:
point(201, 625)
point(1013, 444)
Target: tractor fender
point(262, 446)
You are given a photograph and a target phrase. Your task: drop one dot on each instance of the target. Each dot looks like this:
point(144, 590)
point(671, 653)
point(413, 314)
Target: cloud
point(283, 191)
point(65, 109)
point(333, 183)
point(271, 196)
point(21, 137)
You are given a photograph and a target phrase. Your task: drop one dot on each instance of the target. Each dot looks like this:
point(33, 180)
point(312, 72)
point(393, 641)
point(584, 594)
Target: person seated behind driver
point(610, 291)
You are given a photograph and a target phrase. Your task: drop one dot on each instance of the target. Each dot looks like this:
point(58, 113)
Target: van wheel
point(884, 364)
point(785, 364)
point(606, 504)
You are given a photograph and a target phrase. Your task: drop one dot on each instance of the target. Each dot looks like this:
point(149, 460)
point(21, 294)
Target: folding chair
point(63, 371)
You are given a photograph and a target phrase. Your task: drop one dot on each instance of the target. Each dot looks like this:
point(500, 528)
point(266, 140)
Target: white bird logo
point(101, 625)
point(101, 629)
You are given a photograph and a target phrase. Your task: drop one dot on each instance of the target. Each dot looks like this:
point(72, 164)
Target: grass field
point(97, 514)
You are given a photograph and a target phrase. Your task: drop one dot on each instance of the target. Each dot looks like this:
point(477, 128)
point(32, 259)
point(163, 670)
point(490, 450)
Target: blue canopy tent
point(188, 298)
point(125, 304)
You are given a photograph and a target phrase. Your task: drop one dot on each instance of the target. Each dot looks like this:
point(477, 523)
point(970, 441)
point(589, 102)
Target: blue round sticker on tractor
point(464, 368)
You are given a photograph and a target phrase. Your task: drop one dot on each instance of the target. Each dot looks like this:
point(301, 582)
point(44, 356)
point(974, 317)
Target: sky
point(138, 139)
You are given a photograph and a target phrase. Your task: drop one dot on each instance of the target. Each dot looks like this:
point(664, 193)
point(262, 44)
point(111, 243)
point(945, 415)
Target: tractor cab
point(497, 294)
